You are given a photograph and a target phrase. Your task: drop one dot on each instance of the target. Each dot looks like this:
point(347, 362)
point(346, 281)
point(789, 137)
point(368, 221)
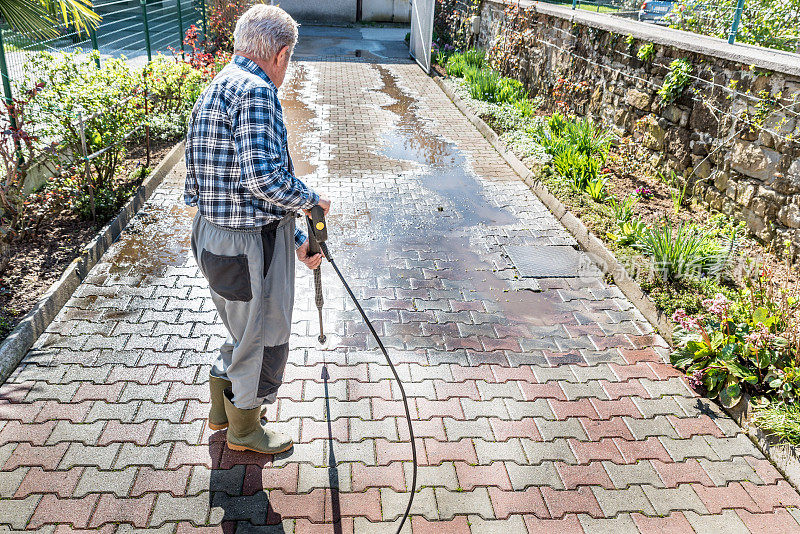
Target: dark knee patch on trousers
point(228, 276)
point(272, 367)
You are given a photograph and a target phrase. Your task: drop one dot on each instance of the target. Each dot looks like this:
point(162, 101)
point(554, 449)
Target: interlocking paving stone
point(548, 412)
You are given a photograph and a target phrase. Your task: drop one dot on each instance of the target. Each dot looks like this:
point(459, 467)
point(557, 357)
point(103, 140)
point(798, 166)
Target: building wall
point(320, 11)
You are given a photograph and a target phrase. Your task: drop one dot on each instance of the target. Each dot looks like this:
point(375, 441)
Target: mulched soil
point(39, 260)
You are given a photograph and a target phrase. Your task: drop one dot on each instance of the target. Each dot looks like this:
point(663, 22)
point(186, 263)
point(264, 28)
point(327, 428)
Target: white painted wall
point(386, 11)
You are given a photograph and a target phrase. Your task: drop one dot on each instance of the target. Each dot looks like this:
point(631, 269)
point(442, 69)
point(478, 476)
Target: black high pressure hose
point(317, 235)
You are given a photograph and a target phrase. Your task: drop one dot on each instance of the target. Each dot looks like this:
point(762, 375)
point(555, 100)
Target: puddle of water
point(445, 166)
point(298, 118)
point(155, 239)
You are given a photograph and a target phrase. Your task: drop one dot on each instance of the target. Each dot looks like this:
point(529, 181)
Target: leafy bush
point(729, 357)
point(110, 99)
point(17, 152)
point(646, 52)
point(221, 21)
point(173, 86)
point(675, 81)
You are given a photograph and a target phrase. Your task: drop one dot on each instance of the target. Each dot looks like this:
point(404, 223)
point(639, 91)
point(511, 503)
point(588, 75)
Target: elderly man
point(240, 177)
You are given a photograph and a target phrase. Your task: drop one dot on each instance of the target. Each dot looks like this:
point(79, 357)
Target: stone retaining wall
point(728, 133)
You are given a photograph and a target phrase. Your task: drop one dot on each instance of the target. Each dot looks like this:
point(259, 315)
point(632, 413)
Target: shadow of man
point(237, 499)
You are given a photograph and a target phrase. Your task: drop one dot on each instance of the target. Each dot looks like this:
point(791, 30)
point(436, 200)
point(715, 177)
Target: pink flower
point(718, 306)
point(687, 323)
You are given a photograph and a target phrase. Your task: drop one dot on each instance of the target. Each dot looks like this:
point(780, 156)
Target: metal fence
point(136, 29)
point(772, 24)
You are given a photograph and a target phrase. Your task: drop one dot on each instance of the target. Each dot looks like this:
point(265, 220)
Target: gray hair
point(263, 30)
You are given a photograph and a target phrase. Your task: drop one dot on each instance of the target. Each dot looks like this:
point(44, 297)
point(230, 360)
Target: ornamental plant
point(18, 148)
point(724, 356)
point(734, 349)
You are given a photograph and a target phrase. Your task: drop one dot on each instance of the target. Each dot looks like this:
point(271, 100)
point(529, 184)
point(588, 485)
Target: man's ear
point(282, 56)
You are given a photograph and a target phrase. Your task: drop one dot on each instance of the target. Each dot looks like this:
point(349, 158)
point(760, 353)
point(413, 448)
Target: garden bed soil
point(39, 260)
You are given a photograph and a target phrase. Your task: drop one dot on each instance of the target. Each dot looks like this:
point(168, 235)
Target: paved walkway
point(537, 411)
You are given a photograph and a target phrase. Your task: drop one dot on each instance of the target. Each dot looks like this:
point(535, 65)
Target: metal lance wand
point(317, 233)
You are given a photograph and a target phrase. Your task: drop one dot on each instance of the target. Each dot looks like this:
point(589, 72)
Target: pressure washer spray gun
point(317, 236)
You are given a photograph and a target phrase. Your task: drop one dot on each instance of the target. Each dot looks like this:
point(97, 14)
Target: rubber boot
point(246, 432)
point(217, 420)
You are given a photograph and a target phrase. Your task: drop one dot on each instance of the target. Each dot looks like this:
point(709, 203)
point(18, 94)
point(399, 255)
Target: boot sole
point(243, 448)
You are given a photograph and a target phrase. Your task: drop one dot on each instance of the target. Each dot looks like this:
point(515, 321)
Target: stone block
point(754, 160)
point(652, 133)
point(790, 216)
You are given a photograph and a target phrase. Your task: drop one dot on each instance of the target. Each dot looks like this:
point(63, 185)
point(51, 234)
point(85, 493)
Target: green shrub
point(675, 81)
point(109, 98)
point(646, 52)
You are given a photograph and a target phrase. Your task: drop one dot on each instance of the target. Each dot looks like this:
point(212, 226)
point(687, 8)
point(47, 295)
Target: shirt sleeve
point(259, 148)
point(299, 238)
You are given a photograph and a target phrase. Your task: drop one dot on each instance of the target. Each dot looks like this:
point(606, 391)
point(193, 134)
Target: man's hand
point(312, 262)
point(324, 203)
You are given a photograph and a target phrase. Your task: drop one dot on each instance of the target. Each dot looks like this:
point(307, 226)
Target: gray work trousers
point(251, 276)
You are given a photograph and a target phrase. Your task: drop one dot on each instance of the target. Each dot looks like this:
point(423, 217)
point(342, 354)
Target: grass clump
point(780, 420)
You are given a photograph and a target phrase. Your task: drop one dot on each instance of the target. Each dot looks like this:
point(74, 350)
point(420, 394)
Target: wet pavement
point(539, 405)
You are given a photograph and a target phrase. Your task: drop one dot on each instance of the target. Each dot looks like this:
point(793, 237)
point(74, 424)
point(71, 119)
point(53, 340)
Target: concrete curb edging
point(785, 456)
point(590, 244)
point(20, 340)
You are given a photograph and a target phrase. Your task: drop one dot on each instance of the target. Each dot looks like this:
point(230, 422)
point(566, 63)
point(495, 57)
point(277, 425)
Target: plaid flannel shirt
point(239, 172)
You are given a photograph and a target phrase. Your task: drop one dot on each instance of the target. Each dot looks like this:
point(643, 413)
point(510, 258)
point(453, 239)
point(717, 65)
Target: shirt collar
point(251, 66)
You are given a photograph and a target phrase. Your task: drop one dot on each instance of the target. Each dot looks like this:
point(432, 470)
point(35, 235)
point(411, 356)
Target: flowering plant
point(728, 357)
point(644, 192)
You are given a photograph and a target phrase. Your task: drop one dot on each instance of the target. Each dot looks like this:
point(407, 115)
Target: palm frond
point(40, 18)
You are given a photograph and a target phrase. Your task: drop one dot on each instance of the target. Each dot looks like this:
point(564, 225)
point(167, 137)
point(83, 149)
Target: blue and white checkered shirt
point(239, 172)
